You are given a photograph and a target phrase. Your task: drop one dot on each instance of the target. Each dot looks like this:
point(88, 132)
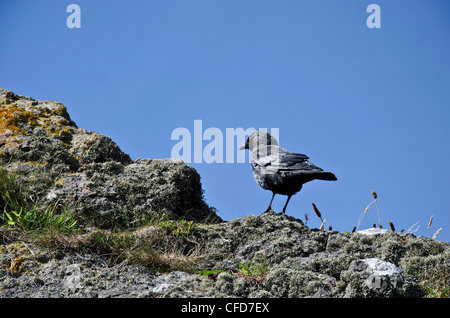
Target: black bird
point(279, 170)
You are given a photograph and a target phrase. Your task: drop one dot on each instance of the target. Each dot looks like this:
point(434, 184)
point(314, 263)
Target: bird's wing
point(277, 159)
point(290, 159)
point(303, 167)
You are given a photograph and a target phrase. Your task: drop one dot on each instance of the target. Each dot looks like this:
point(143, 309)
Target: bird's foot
point(281, 213)
point(269, 211)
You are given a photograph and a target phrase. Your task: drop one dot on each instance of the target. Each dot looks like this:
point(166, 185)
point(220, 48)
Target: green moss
point(255, 268)
point(180, 227)
point(211, 273)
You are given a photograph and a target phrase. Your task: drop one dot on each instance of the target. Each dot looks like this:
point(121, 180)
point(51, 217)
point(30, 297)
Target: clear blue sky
point(370, 105)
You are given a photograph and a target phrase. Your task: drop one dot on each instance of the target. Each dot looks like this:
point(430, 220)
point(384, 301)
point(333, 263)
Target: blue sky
point(370, 105)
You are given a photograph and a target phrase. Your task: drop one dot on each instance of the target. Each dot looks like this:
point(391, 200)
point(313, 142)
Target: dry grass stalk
point(316, 210)
point(323, 223)
point(429, 222)
point(361, 217)
point(436, 234)
point(374, 194)
point(411, 228)
point(391, 225)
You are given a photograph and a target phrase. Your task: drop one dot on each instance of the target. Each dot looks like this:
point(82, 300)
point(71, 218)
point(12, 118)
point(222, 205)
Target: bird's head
point(259, 139)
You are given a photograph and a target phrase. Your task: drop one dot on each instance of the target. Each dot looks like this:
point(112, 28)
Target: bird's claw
point(269, 211)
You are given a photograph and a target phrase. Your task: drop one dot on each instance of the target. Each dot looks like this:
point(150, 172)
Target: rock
point(72, 280)
point(285, 282)
point(110, 193)
point(372, 231)
point(254, 256)
point(289, 260)
point(87, 173)
point(75, 276)
point(373, 277)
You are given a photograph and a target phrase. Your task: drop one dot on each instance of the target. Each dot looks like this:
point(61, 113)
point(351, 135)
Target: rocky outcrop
point(87, 173)
point(255, 256)
point(295, 261)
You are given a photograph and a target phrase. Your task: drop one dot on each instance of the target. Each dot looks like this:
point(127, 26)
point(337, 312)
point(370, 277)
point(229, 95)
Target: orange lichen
point(59, 181)
point(17, 121)
point(21, 258)
point(15, 266)
point(57, 127)
point(12, 117)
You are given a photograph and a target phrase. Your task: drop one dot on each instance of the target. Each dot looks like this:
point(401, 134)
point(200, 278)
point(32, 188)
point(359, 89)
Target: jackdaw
point(279, 170)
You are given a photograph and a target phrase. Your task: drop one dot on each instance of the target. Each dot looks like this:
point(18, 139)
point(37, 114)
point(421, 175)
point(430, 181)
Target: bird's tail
point(325, 175)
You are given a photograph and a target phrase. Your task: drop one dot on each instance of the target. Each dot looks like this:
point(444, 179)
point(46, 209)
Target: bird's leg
point(269, 208)
point(287, 201)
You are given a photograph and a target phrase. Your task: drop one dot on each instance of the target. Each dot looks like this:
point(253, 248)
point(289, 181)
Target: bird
point(279, 170)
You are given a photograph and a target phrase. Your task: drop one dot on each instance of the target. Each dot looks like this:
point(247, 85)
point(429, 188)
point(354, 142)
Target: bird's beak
point(244, 146)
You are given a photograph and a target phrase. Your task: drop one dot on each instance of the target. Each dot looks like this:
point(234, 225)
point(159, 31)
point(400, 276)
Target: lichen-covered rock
point(274, 237)
point(87, 173)
point(285, 282)
point(41, 275)
point(254, 256)
point(290, 260)
point(228, 263)
point(110, 193)
point(373, 277)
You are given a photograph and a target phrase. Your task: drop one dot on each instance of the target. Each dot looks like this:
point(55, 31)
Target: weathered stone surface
point(254, 256)
point(87, 173)
point(373, 277)
point(131, 194)
point(272, 259)
point(372, 231)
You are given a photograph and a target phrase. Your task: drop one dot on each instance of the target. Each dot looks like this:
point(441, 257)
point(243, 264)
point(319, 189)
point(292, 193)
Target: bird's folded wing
point(303, 167)
point(279, 159)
